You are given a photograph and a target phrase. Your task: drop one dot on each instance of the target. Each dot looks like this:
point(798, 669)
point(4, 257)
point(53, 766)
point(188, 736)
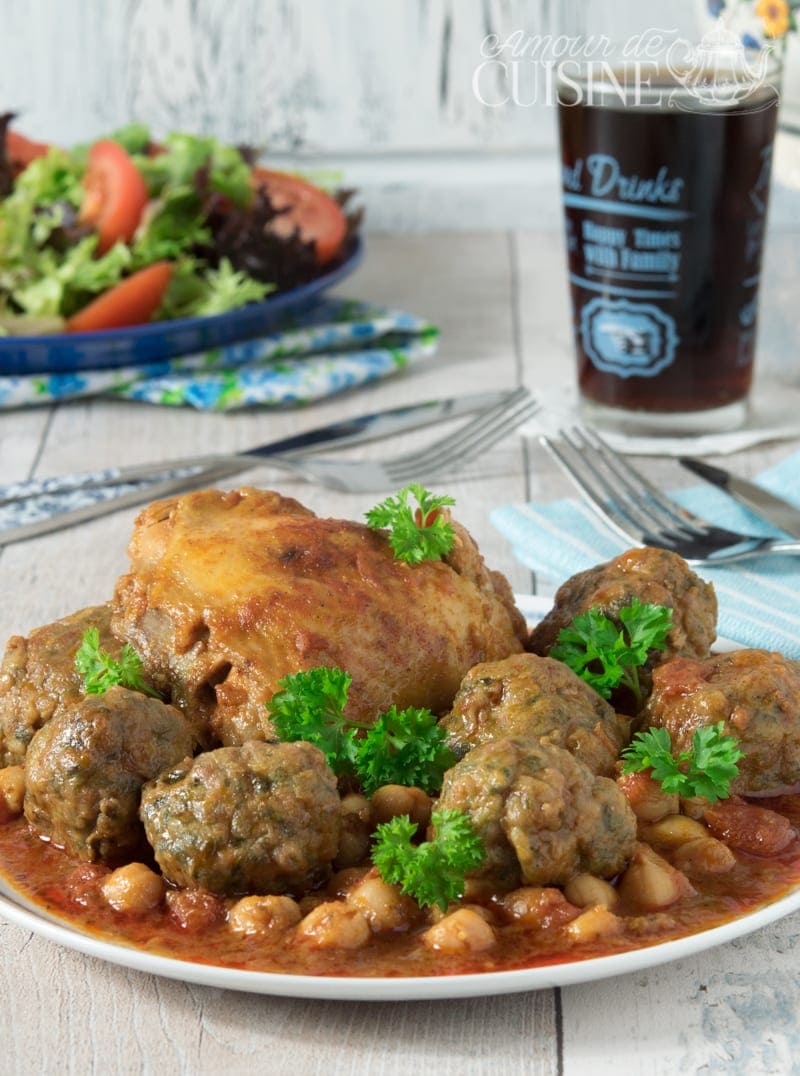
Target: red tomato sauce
point(71, 889)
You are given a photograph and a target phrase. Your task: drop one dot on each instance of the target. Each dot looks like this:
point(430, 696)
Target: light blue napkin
point(334, 345)
point(759, 599)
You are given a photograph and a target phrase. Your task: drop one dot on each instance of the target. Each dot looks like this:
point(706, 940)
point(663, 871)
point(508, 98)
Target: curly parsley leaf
point(100, 671)
point(608, 657)
point(416, 534)
point(433, 872)
point(310, 706)
point(403, 747)
point(706, 770)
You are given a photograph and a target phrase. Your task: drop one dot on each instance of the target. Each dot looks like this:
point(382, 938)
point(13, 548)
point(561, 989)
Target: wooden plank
point(734, 1009)
point(287, 76)
point(66, 1014)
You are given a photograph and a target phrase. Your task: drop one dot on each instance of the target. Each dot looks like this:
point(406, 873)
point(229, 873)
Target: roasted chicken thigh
point(230, 592)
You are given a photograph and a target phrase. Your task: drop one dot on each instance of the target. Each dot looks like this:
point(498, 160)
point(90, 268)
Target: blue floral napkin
point(759, 599)
point(337, 344)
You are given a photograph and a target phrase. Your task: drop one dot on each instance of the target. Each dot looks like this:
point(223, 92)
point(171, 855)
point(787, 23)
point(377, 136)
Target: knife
point(347, 432)
point(53, 511)
point(773, 509)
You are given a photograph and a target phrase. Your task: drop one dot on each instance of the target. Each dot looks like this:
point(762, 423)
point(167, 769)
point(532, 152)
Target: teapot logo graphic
point(717, 73)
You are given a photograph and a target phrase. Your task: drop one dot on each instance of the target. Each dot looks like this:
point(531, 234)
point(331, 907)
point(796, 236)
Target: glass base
point(664, 423)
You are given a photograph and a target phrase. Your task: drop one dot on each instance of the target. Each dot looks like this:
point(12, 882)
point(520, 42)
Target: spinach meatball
point(754, 694)
point(38, 678)
point(655, 577)
point(85, 768)
point(536, 699)
point(256, 818)
point(542, 816)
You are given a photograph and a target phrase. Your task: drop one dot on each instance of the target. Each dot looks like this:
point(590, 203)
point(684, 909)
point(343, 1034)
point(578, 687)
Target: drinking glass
point(666, 151)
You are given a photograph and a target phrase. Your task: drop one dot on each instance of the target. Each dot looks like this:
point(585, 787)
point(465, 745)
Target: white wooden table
point(501, 302)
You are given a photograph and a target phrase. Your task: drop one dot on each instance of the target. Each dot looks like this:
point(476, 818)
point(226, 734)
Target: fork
point(447, 454)
point(635, 509)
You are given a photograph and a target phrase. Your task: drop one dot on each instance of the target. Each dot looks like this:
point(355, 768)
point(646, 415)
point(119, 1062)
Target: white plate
point(16, 909)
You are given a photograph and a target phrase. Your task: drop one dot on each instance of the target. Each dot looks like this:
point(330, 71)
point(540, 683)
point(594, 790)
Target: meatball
point(531, 698)
point(755, 693)
point(654, 576)
point(85, 769)
point(542, 816)
point(38, 678)
point(257, 818)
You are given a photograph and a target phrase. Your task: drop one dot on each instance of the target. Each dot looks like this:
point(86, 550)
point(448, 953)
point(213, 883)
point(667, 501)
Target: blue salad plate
point(141, 345)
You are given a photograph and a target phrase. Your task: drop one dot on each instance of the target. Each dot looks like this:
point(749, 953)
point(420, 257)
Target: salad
point(128, 230)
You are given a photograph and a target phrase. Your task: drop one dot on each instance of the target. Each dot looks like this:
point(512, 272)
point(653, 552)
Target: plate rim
point(16, 908)
point(107, 338)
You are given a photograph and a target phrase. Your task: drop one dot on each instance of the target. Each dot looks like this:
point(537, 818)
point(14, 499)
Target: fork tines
point(470, 441)
point(621, 494)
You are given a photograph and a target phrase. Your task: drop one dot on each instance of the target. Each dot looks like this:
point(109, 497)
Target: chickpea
point(588, 891)
point(597, 922)
point(12, 792)
point(133, 889)
point(335, 925)
point(342, 882)
point(266, 917)
point(538, 907)
point(384, 906)
point(673, 831)
point(392, 800)
point(650, 883)
point(706, 855)
point(647, 798)
point(462, 931)
point(354, 841)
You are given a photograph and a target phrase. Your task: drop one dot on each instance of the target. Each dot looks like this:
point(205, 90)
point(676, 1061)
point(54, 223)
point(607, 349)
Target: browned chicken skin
point(230, 592)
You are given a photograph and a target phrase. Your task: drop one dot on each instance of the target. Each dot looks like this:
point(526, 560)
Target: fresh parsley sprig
point(706, 770)
point(310, 706)
point(403, 747)
point(100, 671)
point(416, 534)
point(433, 872)
point(606, 656)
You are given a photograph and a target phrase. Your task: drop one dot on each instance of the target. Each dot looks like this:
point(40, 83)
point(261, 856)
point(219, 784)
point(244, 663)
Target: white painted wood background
point(379, 90)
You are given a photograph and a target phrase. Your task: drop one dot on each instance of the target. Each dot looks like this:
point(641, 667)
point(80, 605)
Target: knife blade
point(342, 434)
point(773, 509)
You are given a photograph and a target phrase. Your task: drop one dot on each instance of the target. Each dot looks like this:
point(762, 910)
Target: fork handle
point(145, 492)
point(758, 548)
point(193, 466)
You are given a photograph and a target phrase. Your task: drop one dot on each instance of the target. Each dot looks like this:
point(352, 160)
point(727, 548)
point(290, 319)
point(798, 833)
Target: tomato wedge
point(115, 194)
point(317, 216)
point(131, 302)
point(21, 150)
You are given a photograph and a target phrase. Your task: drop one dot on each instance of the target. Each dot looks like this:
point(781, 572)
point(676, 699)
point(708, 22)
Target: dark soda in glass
point(665, 210)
